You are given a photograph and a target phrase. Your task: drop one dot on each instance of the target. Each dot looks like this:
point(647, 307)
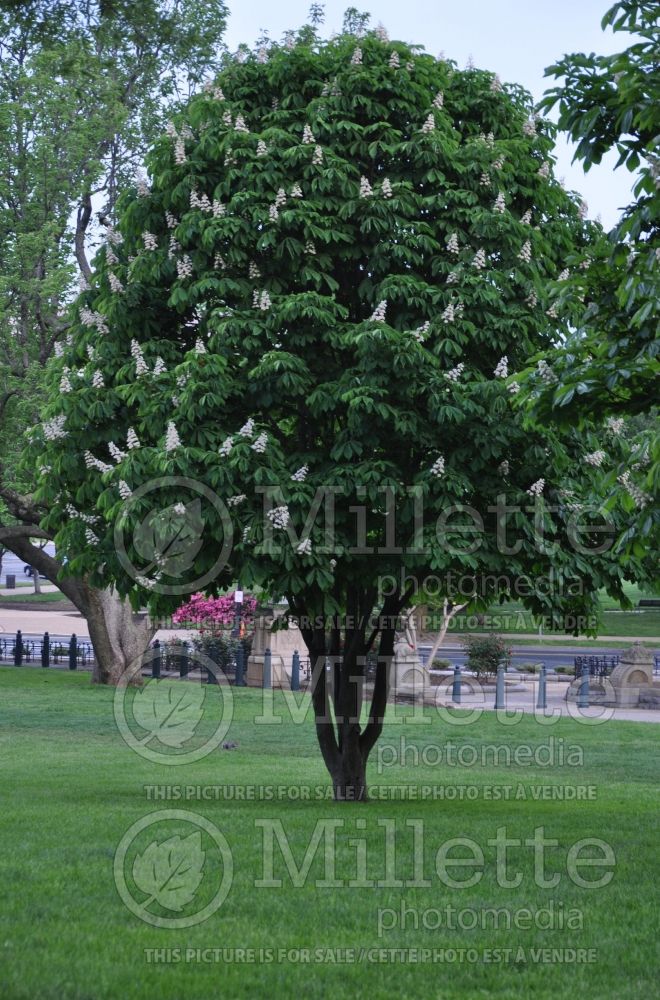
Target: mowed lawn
point(71, 788)
point(512, 617)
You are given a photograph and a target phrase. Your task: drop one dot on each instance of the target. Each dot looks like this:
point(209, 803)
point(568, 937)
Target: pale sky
point(515, 38)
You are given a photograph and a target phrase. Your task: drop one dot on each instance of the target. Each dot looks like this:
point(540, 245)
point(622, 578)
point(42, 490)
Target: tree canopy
point(83, 91)
point(344, 250)
point(611, 103)
point(607, 367)
point(84, 88)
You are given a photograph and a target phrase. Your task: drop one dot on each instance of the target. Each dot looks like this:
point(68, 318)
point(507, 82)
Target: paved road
point(13, 565)
point(556, 657)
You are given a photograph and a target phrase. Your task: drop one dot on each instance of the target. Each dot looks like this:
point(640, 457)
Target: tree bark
point(325, 730)
point(82, 222)
point(344, 747)
point(349, 775)
point(448, 615)
point(120, 639)
point(374, 726)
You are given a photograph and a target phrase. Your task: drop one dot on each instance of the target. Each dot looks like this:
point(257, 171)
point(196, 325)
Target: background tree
point(442, 616)
point(608, 365)
point(83, 90)
point(345, 247)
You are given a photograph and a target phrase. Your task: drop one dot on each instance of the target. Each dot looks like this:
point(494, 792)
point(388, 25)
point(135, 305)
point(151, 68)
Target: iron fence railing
point(598, 666)
point(167, 658)
point(46, 650)
point(178, 657)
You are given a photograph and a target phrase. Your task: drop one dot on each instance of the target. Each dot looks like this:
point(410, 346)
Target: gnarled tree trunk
point(119, 637)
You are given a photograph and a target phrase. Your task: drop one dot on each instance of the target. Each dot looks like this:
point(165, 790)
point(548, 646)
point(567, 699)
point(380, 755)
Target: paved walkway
point(57, 623)
point(522, 696)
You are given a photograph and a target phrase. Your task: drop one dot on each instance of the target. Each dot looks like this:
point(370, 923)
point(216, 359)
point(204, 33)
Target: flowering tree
point(608, 366)
point(608, 103)
point(313, 310)
point(84, 88)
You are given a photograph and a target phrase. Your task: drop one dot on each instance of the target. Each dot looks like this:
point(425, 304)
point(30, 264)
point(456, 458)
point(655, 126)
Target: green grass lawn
point(72, 788)
point(511, 617)
point(49, 597)
point(583, 643)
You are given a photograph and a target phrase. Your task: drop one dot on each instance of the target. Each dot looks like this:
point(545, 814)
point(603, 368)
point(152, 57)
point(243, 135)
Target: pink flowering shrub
point(214, 612)
point(216, 618)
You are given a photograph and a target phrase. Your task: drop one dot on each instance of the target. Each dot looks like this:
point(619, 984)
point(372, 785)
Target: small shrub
point(220, 647)
point(440, 665)
point(485, 653)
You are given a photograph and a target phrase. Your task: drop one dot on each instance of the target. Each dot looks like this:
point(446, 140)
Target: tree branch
point(23, 508)
point(82, 222)
point(4, 399)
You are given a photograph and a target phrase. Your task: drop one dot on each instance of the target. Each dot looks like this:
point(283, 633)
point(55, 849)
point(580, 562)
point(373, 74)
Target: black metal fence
point(602, 666)
point(172, 658)
point(177, 658)
point(598, 666)
point(168, 658)
point(46, 650)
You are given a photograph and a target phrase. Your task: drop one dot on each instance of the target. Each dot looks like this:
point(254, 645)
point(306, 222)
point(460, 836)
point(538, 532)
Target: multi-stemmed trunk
point(338, 681)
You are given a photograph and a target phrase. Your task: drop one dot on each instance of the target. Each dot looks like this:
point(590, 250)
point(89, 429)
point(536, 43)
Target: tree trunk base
point(350, 793)
point(349, 779)
point(120, 640)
